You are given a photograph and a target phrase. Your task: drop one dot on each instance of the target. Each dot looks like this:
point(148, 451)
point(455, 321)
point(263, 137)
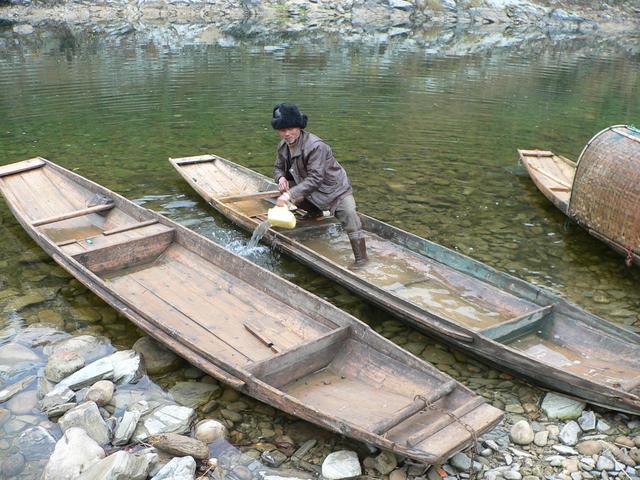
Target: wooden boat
point(506, 321)
point(242, 324)
point(601, 191)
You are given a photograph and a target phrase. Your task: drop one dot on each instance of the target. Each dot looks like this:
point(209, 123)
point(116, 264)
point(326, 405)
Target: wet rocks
point(157, 359)
point(73, 454)
point(208, 431)
point(62, 364)
point(87, 417)
point(166, 419)
point(100, 393)
point(14, 353)
point(8, 392)
point(179, 445)
point(193, 394)
point(183, 468)
point(561, 407)
point(521, 433)
point(12, 465)
point(341, 464)
point(125, 428)
point(87, 346)
point(119, 465)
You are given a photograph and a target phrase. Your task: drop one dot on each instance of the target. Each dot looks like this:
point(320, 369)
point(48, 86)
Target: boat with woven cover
point(504, 320)
point(242, 324)
point(601, 191)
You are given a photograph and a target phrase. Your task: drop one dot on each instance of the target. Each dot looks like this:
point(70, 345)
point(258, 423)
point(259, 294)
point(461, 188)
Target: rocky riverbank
point(427, 23)
point(74, 407)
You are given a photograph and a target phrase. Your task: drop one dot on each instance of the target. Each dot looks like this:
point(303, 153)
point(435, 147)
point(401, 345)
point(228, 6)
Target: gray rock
point(605, 463)
point(561, 407)
point(341, 464)
point(23, 29)
point(512, 475)
point(88, 347)
point(35, 443)
point(179, 445)
point(52, 400)
point(555, 460)
point(126, 427)
point(100, 392)
point(569, 433)
point(564, 449)
point(541, 438)
point(166, 419)
point(385, 462)
point(193, 394)
point(603, 426)
point(587, 463)
point(12, 465)
point(73, 454)
point(521, 433)
point(62, 364)
point(461, 462)
point(87, 417)
point(119, 466)
point(157, 359)
point(273, 458)
point(24, 402)
point(13, 353)
point(13, 389)
point(401, 5)
point(179, 468)
point(208, 431)
point(587, 421)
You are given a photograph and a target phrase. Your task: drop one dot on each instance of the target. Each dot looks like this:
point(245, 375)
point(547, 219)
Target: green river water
point(429, 142)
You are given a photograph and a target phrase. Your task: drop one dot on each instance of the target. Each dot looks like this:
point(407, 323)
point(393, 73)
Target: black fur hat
point(287, 115)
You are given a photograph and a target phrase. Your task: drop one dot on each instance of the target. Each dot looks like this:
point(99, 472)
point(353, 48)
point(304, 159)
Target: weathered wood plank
point(74, 214)
point(21, 167)
point(524, 322)
point(193, 160)
point(126, 228)
point(253, 196)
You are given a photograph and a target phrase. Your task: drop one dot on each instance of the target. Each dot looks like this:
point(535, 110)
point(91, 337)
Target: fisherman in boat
point(309, 176)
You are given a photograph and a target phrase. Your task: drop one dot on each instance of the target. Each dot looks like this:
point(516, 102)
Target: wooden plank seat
point(515, 327)
point(72, 214)
point(121, 250)
point(300, 360)
point(21, 167)
point(419, 403)
point(250, 196)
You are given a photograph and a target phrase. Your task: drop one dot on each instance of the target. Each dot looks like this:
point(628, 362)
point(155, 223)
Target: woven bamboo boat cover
point(606, 191)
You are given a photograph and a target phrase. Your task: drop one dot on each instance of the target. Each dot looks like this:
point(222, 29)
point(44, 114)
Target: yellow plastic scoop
point(281, 217)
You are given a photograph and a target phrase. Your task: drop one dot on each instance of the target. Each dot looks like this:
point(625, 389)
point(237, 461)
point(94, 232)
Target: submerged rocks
point(341, 464)
point(561, 407)
point(193, 394)
point(12, 354)
point(157, 359)
point(73, 454)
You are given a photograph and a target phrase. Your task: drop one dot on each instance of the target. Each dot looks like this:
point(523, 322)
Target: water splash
point(258, 233)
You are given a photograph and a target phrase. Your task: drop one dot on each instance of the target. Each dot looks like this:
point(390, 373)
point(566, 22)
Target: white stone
point(208, 431)
point(341, 464)
point(100, 392)
point(569, 433)
point(73, 454)
point(86, 416)
point(564, 449)
point(555, 460)
point(512, 475)
point(401, 5)
point(541, 438)
point(179, 468)
point(521, 433)
point(120, 465)
point(126, 427)
point(561, 407)
point(166, 419)
point(587, 421)
point(87, 346)
point(605, 463)
point(603, 426)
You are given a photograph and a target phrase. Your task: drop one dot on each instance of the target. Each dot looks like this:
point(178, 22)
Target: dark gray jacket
point(317, 175)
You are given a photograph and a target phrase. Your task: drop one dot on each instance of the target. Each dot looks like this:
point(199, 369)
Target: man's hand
point(283, 185)
point(283, 199)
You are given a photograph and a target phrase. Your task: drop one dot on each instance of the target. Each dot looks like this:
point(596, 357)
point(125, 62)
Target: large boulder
point(157, 359)
point(86, 416)
point(73, 454)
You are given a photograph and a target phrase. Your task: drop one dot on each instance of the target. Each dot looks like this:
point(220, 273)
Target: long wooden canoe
point(601, 191)
point(242, 324)
point(510, 323)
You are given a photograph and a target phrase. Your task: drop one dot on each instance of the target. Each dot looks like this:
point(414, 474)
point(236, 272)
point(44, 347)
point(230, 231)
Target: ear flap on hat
point(304, 119)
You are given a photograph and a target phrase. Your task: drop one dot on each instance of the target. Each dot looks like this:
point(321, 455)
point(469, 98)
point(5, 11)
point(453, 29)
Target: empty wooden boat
point(506, 321)
point(242, 324)
point(601, 191)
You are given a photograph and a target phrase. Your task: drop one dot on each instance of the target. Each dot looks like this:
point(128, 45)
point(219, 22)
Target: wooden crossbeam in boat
point(444, 421)
point(21, 167)
point(300, 360)
point(536, 153)
point(250, 196)
point(550, 176)
point(414, 407)
point(194, 160)
point(517, 324)
point(126, 228)
point(74, 214)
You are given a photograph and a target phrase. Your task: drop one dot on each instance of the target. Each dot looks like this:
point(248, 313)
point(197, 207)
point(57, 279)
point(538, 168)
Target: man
point(310, 177)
